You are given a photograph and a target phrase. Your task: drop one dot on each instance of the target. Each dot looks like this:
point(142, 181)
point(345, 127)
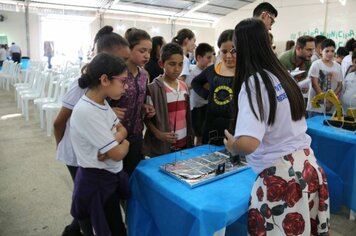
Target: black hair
point(134, 36)
point(353, 57)
point(255, 56)
point(170, 49)
point(264, 6)
point(341, 51)
point(328, 43)
point(303, 40)
point(226, 35)
point(350, 45)
point(289, 44)
point(319, 39)
point(157, 41)
point(105, 39)
point(202, 49)
point(182, 35)
point(102, 63)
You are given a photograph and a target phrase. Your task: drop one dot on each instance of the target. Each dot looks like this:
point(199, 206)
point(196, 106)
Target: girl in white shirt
point(186, 39)
point(95, 129)
point(290, 194)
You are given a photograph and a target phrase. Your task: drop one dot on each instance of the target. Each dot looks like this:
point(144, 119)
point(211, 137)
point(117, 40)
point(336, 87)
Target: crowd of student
point(245, 99)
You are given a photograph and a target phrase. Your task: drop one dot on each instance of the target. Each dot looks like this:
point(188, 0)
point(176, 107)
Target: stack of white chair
point(10, 74)
point(50, 109)
point(51, 96)
point(37, 91)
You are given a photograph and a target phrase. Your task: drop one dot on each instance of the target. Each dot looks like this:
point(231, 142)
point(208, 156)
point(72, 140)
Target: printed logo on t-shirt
point(325, 79)
point(281, 95)
point(222, 95)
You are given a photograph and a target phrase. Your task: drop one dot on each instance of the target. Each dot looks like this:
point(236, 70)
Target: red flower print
point(323, 196)
point(314, 227)
point(290, 159)
point(276, 187)
point(310, 176)
point(306, 151)
point(323, 192)
point(293, 224)
point(311, 204)
point(293, 193)
point(259, 194)
point(264, 173)
point(256, 223)
point(323, 175)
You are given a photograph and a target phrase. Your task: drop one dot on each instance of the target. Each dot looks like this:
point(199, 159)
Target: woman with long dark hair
point(290, 194)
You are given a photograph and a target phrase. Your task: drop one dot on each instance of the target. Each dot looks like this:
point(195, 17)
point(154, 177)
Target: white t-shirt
point(285, 136)
point(195, 99)
point(186, 64)
point(92, 131)
point(349, 91)
point(345, 64)
point(2, 54)
point(65, 152)
point(328, 77)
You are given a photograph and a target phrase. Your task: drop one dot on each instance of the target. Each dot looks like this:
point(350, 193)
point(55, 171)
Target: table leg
point(352, 215)
point(220, 232)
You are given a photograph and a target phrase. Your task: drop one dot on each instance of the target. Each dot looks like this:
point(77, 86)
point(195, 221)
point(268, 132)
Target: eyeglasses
point(122, 79)
point(271, 17)
point(232, 51)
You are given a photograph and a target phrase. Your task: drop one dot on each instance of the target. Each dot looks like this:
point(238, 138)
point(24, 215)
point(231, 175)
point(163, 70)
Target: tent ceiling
point(177, 8)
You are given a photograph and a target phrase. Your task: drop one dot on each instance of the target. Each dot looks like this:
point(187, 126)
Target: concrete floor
point(35, 188)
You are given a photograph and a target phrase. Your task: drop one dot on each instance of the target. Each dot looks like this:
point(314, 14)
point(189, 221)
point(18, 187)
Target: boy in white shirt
point(204, 57)
point(324, 74)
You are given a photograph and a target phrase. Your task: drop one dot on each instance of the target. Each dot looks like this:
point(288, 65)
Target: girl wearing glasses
point(290, 194)
point(215, 84)
point(95, 129)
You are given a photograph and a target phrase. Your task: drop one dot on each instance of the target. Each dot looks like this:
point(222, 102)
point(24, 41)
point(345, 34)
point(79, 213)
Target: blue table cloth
point(336, 149)
point(161, 205)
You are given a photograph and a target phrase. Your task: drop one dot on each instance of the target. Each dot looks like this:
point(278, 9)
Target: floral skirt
point(290, 198)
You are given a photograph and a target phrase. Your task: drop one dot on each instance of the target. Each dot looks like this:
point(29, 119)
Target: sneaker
point(71, 231)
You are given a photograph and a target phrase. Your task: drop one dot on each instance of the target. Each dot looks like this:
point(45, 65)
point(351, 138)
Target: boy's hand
point(120, 112)
point(149, 110)
point(169, 137)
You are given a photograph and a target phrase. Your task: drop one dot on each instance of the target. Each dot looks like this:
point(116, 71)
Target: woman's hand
point(229, 142)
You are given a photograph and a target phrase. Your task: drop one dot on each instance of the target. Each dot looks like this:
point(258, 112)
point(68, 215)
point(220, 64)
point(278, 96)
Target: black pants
point(198, 117)
point(133, 157)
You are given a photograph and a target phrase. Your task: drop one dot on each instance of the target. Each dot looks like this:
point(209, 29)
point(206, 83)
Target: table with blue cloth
point(162, 205)
point(336, 149)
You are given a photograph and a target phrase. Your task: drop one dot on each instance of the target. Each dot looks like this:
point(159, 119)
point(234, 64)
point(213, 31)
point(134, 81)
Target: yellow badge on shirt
point(222, 95)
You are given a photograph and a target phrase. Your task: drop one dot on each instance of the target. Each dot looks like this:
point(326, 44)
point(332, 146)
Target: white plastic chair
point(7, 74)
point(28, 87)
point(38, 91)
point(52, 95)
point(51, 108)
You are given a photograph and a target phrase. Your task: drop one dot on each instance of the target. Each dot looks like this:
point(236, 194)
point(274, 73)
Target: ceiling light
point(198, 7)
point(343, 2)
point(322, 1)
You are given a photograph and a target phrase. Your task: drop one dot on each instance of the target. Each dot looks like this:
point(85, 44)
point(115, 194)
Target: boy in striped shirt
point(170, 129)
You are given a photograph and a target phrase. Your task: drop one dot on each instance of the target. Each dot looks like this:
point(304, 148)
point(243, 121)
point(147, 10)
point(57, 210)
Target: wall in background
point(296, 18)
